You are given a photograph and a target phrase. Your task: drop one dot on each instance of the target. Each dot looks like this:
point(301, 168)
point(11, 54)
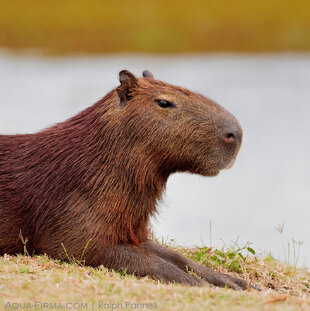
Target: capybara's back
point(11, 213)
point(90, 184)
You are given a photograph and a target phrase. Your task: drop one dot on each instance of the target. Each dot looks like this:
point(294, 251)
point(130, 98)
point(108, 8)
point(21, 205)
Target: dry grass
point(39, 279)
point(267, 273)
point(65, 26)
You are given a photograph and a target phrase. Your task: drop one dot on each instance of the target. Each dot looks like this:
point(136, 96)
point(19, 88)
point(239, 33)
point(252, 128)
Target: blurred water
point(270, 95)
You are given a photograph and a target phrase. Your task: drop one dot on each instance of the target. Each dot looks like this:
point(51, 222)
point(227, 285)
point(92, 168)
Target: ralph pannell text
point(98, 305)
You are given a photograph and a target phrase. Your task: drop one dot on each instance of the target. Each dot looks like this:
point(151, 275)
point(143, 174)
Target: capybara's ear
point(128, 83)
point(147, 74)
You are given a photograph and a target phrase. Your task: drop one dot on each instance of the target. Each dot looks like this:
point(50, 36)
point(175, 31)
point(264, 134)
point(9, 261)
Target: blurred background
point(252, 57)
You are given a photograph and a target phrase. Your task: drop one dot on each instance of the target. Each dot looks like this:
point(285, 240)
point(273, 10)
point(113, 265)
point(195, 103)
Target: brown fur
point(98, 176)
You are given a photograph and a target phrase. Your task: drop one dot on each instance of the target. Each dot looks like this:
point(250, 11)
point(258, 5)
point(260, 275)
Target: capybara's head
point(179, 129)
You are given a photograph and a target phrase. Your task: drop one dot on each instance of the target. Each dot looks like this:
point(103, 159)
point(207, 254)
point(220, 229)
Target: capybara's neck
point(91, 157)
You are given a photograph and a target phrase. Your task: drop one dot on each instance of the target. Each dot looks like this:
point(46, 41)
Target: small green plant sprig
point(233, 258)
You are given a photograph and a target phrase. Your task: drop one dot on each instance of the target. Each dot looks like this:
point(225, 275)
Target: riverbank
point(61, 27)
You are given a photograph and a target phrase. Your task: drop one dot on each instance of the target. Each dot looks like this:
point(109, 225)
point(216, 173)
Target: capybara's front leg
point(141, 262)
point(184, 263)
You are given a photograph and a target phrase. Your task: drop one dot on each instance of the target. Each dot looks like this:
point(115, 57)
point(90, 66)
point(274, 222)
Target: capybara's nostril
point(232, 134)
point(229, 138)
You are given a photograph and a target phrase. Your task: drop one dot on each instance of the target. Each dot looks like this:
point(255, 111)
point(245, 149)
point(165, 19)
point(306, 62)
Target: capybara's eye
point(165, 103)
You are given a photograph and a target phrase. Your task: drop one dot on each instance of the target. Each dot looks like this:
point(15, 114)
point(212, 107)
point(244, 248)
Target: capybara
point(90, 184)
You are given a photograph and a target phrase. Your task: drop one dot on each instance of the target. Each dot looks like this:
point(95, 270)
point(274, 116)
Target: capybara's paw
point(226, 280)
point(237, 283)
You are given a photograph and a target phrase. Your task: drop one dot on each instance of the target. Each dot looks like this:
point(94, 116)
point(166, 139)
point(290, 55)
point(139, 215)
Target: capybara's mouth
point(230, 164)
point(209, 173)
point(214, 173)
